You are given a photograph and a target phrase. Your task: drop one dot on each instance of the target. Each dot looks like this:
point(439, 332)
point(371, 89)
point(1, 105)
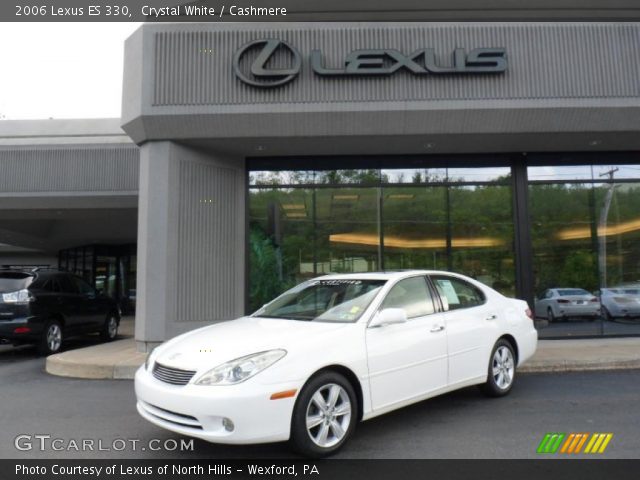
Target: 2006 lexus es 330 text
point(333, 351)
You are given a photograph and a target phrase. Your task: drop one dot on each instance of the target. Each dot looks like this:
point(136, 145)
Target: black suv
point(45, 306)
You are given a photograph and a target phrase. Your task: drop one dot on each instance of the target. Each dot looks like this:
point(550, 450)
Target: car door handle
point(437, 328)
point(492, 317)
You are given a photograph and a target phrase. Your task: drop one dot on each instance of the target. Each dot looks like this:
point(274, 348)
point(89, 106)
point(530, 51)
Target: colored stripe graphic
point(598, 443)
point(573, 443)
point(550, 442)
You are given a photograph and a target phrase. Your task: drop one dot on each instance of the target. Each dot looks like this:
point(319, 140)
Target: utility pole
point(602, 228)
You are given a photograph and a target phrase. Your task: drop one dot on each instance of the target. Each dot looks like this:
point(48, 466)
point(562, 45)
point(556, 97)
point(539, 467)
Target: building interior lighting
point(609, 230)
point(346, 197)
point(293, 206)
point(392, 241)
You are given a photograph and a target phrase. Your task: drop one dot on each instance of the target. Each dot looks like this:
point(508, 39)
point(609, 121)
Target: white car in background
point(563, 303)
point(620, 302)
point(333, 351)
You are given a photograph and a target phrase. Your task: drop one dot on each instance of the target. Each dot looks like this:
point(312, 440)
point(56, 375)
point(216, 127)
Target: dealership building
point(250, 157)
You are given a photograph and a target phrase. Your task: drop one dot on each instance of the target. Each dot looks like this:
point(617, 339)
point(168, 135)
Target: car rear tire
point(324, 415)
point(550, 316)
point(110, 328)
point(51, 338)
point(502, 370)
point(607, 316)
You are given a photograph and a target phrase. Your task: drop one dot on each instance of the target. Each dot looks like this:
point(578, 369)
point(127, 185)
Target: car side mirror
point(389, 316)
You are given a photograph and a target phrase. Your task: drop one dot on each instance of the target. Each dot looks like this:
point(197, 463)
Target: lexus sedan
point(620, 302)
point(563, 303)
point(333, 351)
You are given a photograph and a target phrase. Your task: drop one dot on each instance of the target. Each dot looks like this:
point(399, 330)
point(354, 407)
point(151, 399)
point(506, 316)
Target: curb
point(96, 365)
point(572, 366)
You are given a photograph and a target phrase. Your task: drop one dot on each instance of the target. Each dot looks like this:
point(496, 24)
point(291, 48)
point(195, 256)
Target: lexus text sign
point(272, 62)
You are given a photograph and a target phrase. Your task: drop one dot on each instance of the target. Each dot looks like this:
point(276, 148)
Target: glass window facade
point(583, 219)
point(109, 268)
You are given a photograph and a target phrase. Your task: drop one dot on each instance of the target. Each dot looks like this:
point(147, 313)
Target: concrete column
point(191, 236)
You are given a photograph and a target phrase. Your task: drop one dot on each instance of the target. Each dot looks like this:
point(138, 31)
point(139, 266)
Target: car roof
point(387, 275)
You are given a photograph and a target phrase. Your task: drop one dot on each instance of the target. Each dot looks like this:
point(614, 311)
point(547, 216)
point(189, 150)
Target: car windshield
point(337, 300)
point(14, 281)
point(572, 291)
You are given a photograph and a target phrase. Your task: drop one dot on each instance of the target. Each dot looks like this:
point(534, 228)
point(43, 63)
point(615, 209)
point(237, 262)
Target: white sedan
point(334, 351)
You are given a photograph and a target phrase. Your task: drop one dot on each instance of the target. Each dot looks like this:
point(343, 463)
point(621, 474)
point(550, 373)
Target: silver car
point(562, 303)
point(620, 302)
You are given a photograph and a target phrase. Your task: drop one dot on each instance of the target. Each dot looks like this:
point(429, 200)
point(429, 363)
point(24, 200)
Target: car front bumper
point(198, 411)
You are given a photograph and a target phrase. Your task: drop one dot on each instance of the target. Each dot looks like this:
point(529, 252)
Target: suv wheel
point(51, 339)
point(110, 328)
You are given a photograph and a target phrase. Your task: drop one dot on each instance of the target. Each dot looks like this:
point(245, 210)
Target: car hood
point(208, 347)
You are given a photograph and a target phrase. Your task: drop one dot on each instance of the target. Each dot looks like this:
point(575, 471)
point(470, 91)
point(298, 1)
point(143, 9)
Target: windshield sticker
point(335, 282)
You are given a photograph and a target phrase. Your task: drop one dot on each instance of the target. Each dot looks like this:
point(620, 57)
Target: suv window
point(83, 287)
point(14, 281)
point(65, 284)
point(412, 295)
point(458, 293)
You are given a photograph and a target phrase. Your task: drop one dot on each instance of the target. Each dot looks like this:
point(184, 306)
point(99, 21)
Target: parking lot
point(462, 424)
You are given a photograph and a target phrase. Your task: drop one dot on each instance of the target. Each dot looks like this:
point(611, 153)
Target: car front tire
point(51, 338)
point(110, 328)
point(324, 415)
point(502, 370)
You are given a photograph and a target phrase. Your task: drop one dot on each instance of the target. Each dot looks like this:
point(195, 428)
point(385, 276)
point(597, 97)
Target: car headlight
point(240, 369)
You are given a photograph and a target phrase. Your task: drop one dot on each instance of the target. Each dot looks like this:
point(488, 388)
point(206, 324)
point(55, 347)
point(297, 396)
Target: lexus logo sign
point(271, 62)
point(259, 75)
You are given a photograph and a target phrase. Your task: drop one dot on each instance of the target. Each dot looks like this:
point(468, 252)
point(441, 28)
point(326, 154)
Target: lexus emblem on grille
point(259, 75)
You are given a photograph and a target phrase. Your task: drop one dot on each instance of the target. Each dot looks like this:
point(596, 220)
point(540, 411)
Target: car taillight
point(594, 299)
point(22, 330)
point(562, 300)
point(529, 313)
point(21, 297)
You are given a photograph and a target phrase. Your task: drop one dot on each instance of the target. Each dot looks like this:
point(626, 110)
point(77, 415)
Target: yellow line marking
point(605, 443)
point(591, 442)
point(598, 442)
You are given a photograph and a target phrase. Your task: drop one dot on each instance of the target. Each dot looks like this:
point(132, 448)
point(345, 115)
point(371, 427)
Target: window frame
point(434, 277)
point(435, 301)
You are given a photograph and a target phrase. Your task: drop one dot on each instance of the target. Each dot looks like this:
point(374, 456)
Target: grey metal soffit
point(106, 168)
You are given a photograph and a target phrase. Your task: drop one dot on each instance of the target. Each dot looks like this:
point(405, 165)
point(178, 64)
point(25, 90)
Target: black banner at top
point(315, 10)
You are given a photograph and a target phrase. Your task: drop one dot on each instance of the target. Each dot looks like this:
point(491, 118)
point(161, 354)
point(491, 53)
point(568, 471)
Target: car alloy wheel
point(503, 367)
point(324, 415)
point(502, 370)
point(328, 415)
point(51, 340)
point(110, 328)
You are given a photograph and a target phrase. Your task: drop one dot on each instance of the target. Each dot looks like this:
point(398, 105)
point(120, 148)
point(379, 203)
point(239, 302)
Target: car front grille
point(174, 376)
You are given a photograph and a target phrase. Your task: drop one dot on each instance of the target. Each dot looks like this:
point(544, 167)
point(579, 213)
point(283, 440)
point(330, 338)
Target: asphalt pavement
point(463, 424)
